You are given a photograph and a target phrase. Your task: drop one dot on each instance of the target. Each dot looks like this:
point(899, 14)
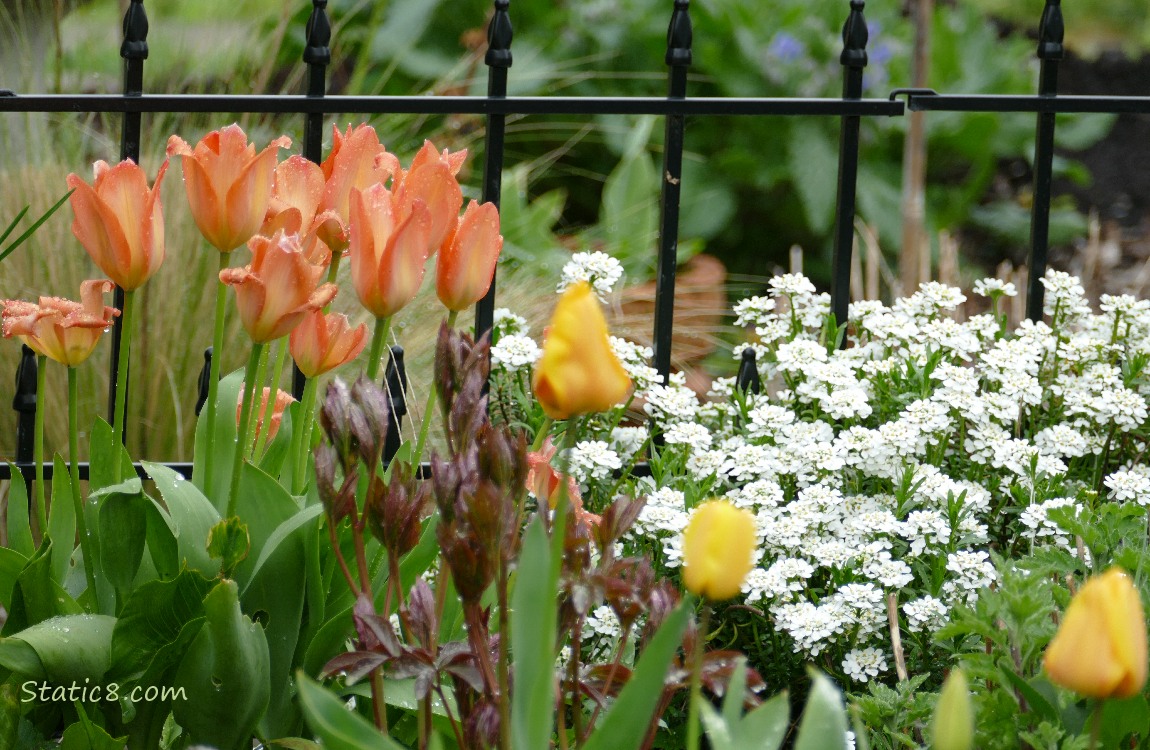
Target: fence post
point(498, 60)
point(395, 385)
point(317, 56)
point(24, 402)
point(133, 51)
point(1050, 50)
point(678, 59)
point(853, 60)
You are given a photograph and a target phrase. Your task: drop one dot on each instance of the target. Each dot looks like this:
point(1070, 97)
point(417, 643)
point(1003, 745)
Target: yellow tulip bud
point(718, 549)
point(578, 373)
point(1100, 649)
point(953, 725)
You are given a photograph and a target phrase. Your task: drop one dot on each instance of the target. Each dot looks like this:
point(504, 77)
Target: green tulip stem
point(425, 426)
point(302, 435)
point(696, 681)
point(122, 380)
point(38, 445)
point(378, 341)
point(74, 475)
point(257, 401)
point(214, 370)
point(269, 408)
point(242, 428)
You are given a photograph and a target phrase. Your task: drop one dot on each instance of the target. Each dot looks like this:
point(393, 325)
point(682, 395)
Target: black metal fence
point(675, 108)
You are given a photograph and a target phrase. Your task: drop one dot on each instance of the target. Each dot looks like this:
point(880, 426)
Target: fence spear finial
point(855, 36)
point(135, 44)
point(680, 35)
point(499, 33)
point(317, 50)
point(748, 379)
point(1051, 31)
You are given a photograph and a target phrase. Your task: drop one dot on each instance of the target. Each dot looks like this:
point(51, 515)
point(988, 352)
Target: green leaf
point(30, 230)
point(153, 617)
point(189, 514)
point(103, 450)
point(68, 648)
point(329, 718)
point(223, 442)
point(11, 563)
point(533, 643)
point(717, 726)
point(19, 524)
point(733, 701)
point(263, 505)
point(628, 217)
point(1037, 701)
point(626, 722)
point(1122, 718)
point(84, 735)
point(61, 520)
point(813, 159)
point(161, 542)
point(36, 597)
point(224, 674)
point(824, 722)
point(282, 532)
point(229, 542)
point(123, 524)
point(767, 725)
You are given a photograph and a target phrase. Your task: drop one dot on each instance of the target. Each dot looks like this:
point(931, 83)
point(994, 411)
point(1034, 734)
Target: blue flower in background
point(785, 47)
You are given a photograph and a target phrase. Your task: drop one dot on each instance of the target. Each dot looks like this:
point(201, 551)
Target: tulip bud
point(578, 373)
point(718, 549)
point(1100, 649)
point(953, 725)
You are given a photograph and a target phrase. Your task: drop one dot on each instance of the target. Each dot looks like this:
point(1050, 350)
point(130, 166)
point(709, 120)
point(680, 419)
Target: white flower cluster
point(872, 470)
point(598, 269)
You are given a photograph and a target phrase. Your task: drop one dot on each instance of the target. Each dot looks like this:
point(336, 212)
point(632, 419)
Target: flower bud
point(1100, 649)
point(718, 549)
point(953, 725)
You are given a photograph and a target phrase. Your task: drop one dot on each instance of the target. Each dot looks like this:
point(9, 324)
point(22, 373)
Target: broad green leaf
point(123, 524)
point(718, 728)
point(733, 701)
point(626, 722)
point(824, 722)
point(103, 450)
point(263, 505)
point(628, 216)
point(20, 658)
point(161, 542)
point(223, 443)
point(153, 617)
point(36, 597)
point(813, 158)
point(1122, 718)
point(61, 520)
point(224, 674)
point(190, 515)
point(11, 563)
point(282, 532)
point(68, 648)
point(767, 725)
point(84, 735)
point(19, 524)
point(329, 719)
point(1037, 701)
point(10, 711)
point(295, 743)
point(533, 643)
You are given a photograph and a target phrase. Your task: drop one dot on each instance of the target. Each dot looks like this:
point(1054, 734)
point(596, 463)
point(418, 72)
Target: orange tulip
point(278, 288)
point(545, 483)
point(229, 185)
point(324, 342)
point(297, 188)
point(61, 329)
point(466, 264)
point(283, 399)
point(388, 250)
point(578, 373)
point(119, 221)
point(718, 549)
point(356, 162)
point(1100, 649)
point(432, 180)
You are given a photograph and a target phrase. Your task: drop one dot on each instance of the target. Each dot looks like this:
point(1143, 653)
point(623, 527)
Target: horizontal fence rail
point(313, 104)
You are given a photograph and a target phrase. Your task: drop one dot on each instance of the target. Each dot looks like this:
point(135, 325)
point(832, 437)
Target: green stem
point(541, 435)
point(257, 401)
point(425, 426)
point(38, 447)
point(74, 474)
point(214, 370)
point(333, 270)
point(242, 428)
point(303, 435)
point(696, 683)
point(378, 340)
point(269, 409)
point(122, 379)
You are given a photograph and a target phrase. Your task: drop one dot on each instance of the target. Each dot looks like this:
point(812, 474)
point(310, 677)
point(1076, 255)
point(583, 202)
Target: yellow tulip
point(1100, 649)
point(953, 725)
point(718, 550)
point(578, 373)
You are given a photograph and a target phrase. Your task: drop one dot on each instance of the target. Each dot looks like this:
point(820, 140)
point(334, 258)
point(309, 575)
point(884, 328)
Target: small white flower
point(593, 459)
point(861, 665)
point(514, 352)
point(598, 269)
